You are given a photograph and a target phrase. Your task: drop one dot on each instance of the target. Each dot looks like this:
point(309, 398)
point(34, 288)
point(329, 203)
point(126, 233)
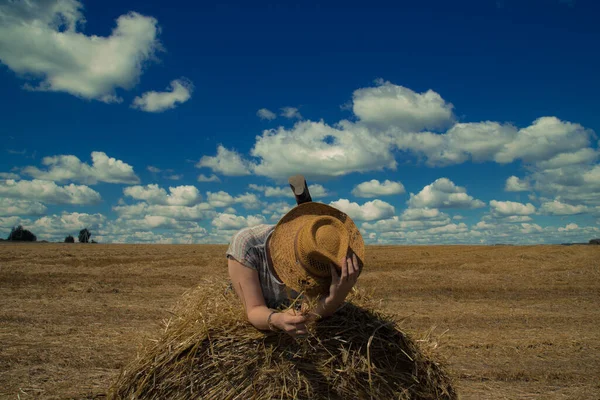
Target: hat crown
point(322, 241)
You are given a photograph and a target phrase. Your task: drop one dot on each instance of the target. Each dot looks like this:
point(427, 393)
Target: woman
point(315, 252)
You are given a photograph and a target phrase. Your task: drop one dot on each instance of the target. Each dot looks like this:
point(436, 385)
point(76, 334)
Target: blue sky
point(427, 122)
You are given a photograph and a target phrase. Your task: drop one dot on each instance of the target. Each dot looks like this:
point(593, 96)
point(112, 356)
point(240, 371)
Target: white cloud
point(267, 114)
point(178, 92)
point(558, 208)
point(44, 40)
point(230, 221)
point(548, 138)
point(277, 210)
point(153, 194)
point(11, 207)
point(544, 139)
point(180, 213)
point(443, 193)
point(48, 192)
point(514, 184)
point(531, 228)
point(506, 208)
point(272, 191)
point(484, 225)
point(316, 190)
point(226, 162)
point(569, 227)
point(581, 156)
point(212, 178)
point(174, 177)
point(517, 218)
point(391, 105)
point(8, 175)
point(67, 223)
point(70, 168)
point(223, 199)
point(450, 228)
point(317, 150)
point(374, 188)
point(370, 211)
point(154, 170)
point(416, 214)
point(290, 112)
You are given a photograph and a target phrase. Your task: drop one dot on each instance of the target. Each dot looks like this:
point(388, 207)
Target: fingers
point(345, 263)
point(295, 325)
point(335, 278)
point(355, 266)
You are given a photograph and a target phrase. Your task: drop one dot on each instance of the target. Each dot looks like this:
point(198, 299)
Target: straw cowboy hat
point(307, 240)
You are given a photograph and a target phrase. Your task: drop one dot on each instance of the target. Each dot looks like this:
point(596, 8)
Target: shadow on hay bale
point(210, 351)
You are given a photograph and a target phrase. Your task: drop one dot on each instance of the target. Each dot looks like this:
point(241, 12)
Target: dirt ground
point(510, 322)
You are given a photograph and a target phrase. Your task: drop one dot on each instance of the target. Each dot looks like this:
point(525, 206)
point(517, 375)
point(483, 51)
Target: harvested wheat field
point(506, 322)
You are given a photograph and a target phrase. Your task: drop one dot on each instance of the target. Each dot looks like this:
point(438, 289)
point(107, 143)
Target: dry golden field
point(510, 322)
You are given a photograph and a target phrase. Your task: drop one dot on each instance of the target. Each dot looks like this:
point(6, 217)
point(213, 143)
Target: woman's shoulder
point(254, 235)
point(244, 243)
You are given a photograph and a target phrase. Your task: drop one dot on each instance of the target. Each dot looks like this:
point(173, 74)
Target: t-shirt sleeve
point(240, 248)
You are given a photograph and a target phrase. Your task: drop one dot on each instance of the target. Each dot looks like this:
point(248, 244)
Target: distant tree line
point(20, 234)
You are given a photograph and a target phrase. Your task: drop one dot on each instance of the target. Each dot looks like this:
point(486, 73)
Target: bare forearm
point(327, 307)
point(259, 316)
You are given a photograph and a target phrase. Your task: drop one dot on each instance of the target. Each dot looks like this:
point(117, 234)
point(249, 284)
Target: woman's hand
point(290, 322)
point(342, 284)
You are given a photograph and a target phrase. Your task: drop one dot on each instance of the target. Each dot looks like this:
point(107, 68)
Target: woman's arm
point(247, 287)
point(341, 285)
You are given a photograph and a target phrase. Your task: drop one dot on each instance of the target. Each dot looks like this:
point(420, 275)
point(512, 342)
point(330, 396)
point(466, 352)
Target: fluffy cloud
point(11, 207)
point(390, 105)
point(548, 138)
point(178, 196)
point(412, 219)
point(226, 162)
point(514, 184)
point(531, 228)
point(315, 190)
point(416, 214)
point(318, 150)
point(569, 227)
point(290, 112)
point(223, 199)
point(267, 114)
point(374, 188)
point(44, 40)
point(180, 213)
point(48, 192)
point(70, 168)
point(277, 210)
point(212, 178)
point(506, 208)
point(178, 92)
point(370, 211)
point(9, 175)
point(272, 191)
point(230, 221)
point(443, 193)
point(557, 208)
point(66, 223)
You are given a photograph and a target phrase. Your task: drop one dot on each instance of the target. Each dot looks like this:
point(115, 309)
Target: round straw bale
point(210, 351)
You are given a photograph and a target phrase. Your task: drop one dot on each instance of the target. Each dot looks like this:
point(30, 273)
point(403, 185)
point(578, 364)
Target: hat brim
point(283, 255)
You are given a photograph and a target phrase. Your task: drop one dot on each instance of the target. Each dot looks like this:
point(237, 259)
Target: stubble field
point(511, 322)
